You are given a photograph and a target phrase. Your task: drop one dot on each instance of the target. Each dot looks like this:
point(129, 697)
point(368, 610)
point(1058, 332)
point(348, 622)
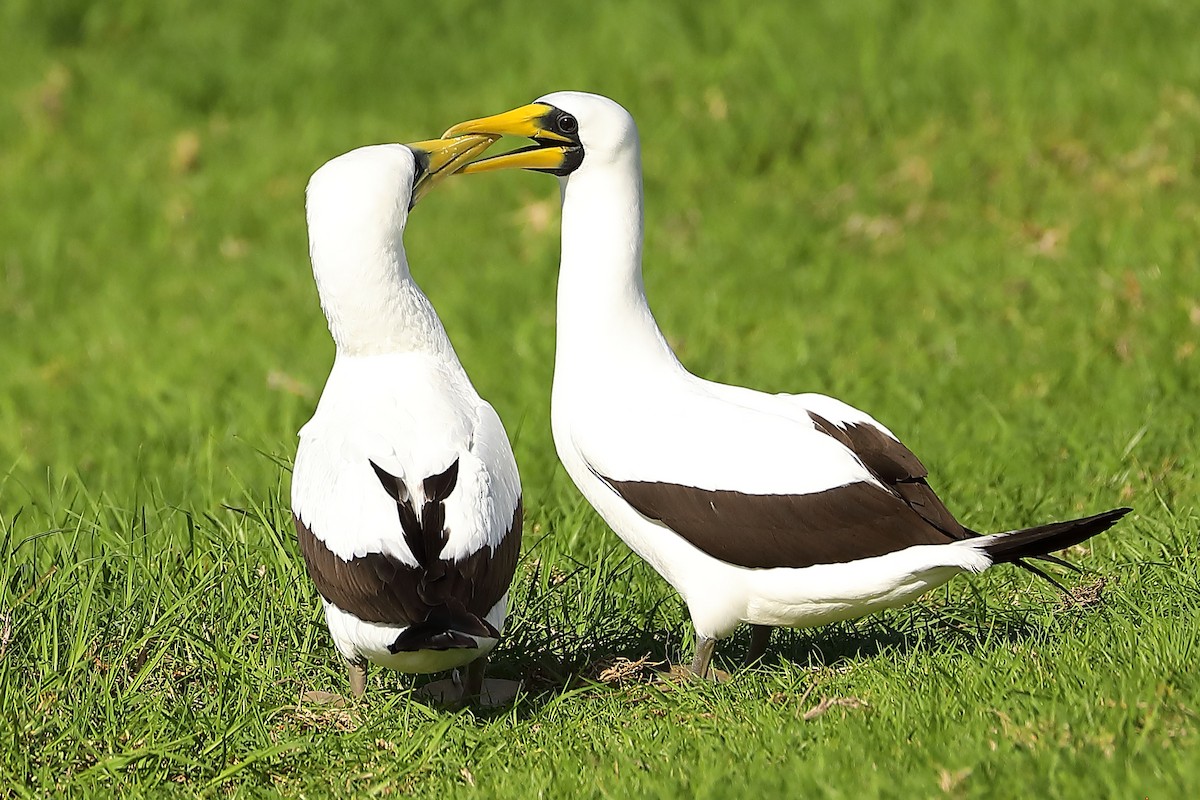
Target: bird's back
point(409, 416)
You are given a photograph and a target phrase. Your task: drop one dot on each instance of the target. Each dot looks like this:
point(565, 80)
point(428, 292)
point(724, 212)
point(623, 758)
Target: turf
point(976, 221)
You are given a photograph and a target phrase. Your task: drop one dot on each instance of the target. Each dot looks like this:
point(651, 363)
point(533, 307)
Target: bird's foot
point(475, 689)
point(496, 692)
point(701, 668)
point(679, 673)
point(492, 693)
point(317, 697)
point(447, 692)
point(358, 678)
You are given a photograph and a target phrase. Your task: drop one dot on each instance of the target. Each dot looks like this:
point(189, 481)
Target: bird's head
point(357, 207)
point(570, 131)
point(368, 192)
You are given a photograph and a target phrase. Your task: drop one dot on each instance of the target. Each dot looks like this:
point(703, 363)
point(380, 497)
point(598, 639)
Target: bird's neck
point(374, 307)
point(604, 324)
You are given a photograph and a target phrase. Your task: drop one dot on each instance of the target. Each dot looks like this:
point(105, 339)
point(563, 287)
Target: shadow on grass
point(579, 629)
point(841, 645)
point(567, 626)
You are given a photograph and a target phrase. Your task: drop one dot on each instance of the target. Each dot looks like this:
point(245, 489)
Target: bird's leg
point(760, 637)
point(358, 677)
point(704, 653)
point(474, 685)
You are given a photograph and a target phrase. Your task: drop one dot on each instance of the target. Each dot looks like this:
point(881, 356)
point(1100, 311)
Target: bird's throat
point(604, 321)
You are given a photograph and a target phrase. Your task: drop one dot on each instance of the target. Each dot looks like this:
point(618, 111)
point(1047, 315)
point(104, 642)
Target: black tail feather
point(447, 627)
point(422, 637)
point(1040, 541)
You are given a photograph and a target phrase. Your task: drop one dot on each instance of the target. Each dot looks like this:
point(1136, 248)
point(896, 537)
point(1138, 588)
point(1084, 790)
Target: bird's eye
point(567, 124)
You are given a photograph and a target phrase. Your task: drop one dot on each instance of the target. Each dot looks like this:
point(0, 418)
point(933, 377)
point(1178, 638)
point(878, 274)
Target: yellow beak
point(439, 158)
point(531, 121)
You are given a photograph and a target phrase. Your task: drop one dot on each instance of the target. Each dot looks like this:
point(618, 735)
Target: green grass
point(979, 222)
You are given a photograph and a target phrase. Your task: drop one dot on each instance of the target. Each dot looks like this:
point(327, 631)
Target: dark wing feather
point(374, 587)
point(839, 525)
point(896, 467)
point(859, 520)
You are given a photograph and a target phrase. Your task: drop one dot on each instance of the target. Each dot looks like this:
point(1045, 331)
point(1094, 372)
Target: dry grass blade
point(1086, 595)
point(833, 702)
point(620, 670)
point(948, 781)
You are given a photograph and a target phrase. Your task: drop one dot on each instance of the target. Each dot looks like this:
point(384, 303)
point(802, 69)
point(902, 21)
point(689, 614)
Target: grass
point(978, 222)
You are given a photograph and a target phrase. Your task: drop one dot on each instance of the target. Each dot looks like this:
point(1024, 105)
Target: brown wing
point(836, 526)
point(378, 588)
point(897, 468)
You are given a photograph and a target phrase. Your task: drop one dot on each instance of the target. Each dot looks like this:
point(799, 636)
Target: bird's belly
point(357, 640)
point(825, 593)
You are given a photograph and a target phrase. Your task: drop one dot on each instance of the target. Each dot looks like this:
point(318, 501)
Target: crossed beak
point(439, 158)
point(551, 152)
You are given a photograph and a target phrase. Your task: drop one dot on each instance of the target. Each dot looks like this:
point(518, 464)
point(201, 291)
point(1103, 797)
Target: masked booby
point(774, 510)
point(405, 492)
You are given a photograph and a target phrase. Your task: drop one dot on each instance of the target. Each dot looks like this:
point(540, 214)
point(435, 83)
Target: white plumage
point(691, 432)
point(776, 510)
point(398, 422)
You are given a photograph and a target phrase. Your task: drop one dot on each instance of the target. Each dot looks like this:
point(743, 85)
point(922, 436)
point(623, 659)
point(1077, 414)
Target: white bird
point(775, 510)
point(405, 492)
